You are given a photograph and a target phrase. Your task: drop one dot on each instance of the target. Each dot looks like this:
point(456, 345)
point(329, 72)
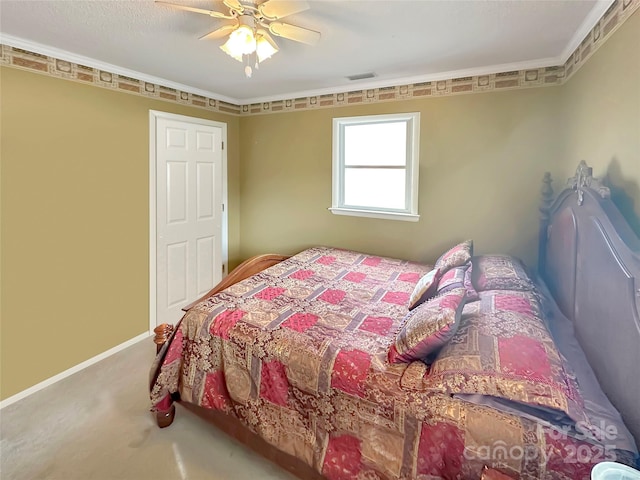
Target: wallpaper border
point(612, 19)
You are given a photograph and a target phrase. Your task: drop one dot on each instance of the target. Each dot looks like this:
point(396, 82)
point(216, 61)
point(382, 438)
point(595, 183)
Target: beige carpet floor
point(96, 424)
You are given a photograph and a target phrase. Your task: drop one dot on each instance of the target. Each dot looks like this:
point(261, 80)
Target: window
point(375, 166)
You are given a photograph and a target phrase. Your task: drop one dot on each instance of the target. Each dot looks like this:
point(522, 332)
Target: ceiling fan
point(252, 25)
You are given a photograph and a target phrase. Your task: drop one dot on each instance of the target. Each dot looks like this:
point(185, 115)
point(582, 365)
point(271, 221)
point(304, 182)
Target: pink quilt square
point(175, 349)
point(411, 277)
point(326, 260)
point(274, 385)
point(350, 371)
point(564, 464)
point(301, 274)
point(355, 277)
point(399, 298)
point(215, 393)
point(379, 325)
point(270, 293)
point(449, 276)
point(526, 357)
point(224, 322)
point(513, 303)
point(440, 452)
point(300, 322)
point(343, 460)
point(332, 296)
point(372, 261)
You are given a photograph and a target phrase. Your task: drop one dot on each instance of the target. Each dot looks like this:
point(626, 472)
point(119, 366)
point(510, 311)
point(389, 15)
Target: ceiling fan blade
point(297, 34)
point(220, 32)
point(234, 4)
point(277, 9)
point(211, 13)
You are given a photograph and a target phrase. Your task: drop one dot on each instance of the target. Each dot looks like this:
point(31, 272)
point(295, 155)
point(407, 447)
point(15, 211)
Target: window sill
point(407, 217)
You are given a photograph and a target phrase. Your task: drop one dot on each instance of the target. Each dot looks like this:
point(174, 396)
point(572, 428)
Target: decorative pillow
point(428, 327)
point(425, 288)
point(506, 353)
point(458, 277)
point(452, 278)
point(472, 293)
point(456, 256)
point(500, 272)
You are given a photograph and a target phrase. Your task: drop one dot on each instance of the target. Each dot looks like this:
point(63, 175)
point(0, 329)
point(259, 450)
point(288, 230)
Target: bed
point(318, 362)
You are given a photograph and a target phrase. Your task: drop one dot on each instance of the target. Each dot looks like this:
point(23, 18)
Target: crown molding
point(596, 13)
point(397, 81)
point(59, 54)
point(65, 55)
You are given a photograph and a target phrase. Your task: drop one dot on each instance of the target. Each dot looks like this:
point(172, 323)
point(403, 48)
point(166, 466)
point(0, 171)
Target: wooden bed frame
point(590, 259)
point(247, 268)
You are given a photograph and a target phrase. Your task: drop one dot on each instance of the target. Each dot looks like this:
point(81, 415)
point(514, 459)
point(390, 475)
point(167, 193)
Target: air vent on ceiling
point(361, 76)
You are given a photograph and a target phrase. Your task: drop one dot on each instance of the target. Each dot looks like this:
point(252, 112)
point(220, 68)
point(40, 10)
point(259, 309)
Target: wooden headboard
point(590, 259)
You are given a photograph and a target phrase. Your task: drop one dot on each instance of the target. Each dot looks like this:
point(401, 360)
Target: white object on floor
point(614, 471)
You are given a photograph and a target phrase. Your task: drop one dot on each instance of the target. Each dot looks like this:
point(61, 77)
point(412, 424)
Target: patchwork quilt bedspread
point(299, 352)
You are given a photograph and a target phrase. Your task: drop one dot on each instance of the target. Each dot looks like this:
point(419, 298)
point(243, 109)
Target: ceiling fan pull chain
point(255, 52)
point(247, 68)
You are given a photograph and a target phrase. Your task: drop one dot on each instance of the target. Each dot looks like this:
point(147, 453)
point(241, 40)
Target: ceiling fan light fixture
point(249, 44)
point(265, 48)
point(240, 42)
point(225, 48)
point(254, 21)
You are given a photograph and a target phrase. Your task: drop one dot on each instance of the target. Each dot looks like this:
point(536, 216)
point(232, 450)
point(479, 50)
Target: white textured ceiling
point(401, 41)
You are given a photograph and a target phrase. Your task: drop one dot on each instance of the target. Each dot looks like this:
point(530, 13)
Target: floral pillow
point(456, 256)
point(428, 327)
point(425, 288)
point(500, 272)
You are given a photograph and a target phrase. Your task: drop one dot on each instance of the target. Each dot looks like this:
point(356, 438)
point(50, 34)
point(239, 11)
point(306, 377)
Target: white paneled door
point(189, 211)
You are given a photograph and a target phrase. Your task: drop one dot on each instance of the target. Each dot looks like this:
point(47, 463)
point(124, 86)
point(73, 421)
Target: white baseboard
point(56, 378)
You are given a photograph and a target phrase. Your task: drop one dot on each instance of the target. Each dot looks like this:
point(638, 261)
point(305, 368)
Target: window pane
point(377, 188)
point(375, 144)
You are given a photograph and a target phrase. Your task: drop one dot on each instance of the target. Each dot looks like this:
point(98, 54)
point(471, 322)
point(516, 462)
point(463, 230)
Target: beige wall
point(75, 221)
point(482, 158)
point(601, 118)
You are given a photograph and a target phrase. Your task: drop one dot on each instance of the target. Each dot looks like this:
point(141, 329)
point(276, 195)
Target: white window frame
point(338, 207)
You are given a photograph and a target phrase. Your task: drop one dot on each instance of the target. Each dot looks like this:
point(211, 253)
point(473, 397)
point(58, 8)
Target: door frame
point(154, 115)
